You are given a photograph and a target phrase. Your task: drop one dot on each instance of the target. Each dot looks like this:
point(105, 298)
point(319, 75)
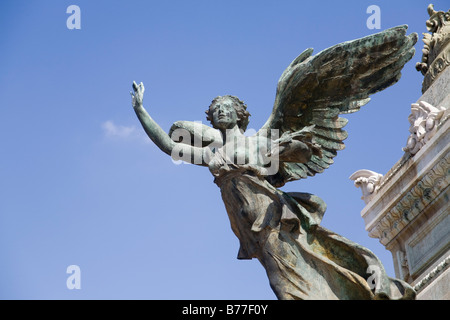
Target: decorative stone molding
point(408, 210)
point(424, 120)
point(388, 176)
point(368, 181)
point(433, 273)
point(413, 202)
point(436, 51)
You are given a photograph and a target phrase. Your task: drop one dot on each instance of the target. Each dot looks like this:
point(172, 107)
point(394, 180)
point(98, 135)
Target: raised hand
point(137, 95)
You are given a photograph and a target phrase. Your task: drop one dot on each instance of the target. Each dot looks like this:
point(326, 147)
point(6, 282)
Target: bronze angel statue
point(303, 260)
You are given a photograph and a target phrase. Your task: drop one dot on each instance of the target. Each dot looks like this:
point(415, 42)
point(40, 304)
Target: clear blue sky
point(80, 184)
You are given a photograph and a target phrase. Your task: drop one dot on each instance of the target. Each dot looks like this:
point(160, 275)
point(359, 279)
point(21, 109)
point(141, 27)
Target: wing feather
point(315, 90)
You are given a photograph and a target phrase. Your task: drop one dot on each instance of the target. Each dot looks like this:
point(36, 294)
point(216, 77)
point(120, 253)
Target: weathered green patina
point(282, 230)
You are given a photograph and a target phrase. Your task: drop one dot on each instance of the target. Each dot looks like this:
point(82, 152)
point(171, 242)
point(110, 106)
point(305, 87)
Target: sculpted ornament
point(368, 181)
point(303, 260)
point(424, 120)
point(436, 49)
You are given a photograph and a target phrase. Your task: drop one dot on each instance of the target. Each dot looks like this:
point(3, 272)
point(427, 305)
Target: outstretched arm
point(158, 135)
point(153, 130)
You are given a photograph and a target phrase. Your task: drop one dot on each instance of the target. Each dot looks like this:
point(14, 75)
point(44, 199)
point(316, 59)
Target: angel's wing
point(314, 90)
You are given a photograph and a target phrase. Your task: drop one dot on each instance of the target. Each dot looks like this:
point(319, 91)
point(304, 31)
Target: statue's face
point(223, 114)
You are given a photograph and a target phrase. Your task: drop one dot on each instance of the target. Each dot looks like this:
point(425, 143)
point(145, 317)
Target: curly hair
point(239, 106)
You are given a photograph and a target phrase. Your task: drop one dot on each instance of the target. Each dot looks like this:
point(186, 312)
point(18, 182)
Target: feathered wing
point(315, 90)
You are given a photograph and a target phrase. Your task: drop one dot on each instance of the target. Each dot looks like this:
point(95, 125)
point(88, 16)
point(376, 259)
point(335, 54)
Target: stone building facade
point(407, 208)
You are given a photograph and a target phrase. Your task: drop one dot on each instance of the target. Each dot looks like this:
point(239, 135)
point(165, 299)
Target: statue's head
point(227, 111)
